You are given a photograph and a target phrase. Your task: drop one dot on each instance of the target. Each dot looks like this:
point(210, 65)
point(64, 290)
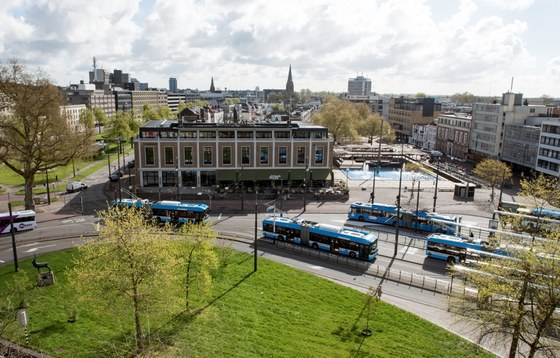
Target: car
point(75, 186)
point(115, 176)
point(131, 164)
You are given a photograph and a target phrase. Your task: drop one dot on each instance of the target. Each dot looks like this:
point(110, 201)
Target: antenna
point(511, 87)
point(94, 69)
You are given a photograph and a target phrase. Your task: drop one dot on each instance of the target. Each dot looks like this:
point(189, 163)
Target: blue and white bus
point(23, 220)
point(131, 203)
point(454, 249)
point(418, 219)
point(179, 212)
point(336, 239)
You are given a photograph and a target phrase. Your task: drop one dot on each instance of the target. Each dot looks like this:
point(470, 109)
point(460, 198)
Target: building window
point(283, 134)
point(266, 134)
point(244, 134)
point(168, 153)
point(188, 153)
point(283, 155)
point(319, 155)
point(189, 134)
point(207, 134)
point(245, 155)
point(227, 134)
point(264, 155)
point(226, 155)
point(150, 178)
point(301, 155)
point(207, 156)
point(149, 155)
point(169, 178)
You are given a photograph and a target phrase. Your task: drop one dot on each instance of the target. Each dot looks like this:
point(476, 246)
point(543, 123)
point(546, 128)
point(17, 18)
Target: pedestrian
point(378, 293)
point(471, 235)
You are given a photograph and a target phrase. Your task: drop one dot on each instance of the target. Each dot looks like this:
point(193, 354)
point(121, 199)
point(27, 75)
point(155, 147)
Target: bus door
point(408, 220)
point(304, 235)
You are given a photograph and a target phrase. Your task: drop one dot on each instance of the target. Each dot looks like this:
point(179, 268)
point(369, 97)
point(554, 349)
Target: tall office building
point(172, 85)
point(359, 86)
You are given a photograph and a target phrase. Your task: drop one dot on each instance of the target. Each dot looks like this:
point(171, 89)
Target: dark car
point(115, 176)
point(131, 164)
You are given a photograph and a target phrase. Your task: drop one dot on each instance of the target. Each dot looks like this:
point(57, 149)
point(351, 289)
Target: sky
point(437, 47)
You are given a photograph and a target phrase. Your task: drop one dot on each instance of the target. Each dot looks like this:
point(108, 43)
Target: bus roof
point(375, 205)
point(170, 204)
point(20, 212)
point(424, 214)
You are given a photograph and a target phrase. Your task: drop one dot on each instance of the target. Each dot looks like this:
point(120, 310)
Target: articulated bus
point(530, 220)
point(176, 212)
point(418, 219)
point(23, 220)
point(336, 239)
point(454, 249)
point(179, 212)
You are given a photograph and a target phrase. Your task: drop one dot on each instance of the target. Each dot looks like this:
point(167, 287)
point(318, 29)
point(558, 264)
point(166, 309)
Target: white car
point(75, 186)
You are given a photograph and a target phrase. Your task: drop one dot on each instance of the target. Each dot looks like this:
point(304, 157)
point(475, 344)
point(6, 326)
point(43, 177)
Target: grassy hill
point(275, 312)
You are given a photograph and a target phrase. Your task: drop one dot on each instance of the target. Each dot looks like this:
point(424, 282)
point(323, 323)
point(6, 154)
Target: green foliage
point(122, 126)
point(494, 172)
point(87, 119)
point(14, 297)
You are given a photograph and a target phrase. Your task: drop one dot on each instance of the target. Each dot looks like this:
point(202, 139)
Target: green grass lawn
point(276, 312)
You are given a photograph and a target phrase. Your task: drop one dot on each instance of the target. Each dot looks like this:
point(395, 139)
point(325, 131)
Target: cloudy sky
point(404, 46)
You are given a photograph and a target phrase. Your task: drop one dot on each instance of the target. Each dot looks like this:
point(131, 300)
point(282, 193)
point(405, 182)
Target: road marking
point(316, 267)
point(37, 248)
point(67, 221)
point(81, 220)
point(2, 261)
point(410, 250)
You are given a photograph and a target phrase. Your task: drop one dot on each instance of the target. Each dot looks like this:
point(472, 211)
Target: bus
point(131, 203)
point(529, 220)
point(417, 219)
point(23, 220)
point(454, 249)
point(179, 212)
point(336, 239)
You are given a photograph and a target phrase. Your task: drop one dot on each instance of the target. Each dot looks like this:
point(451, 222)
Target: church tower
point(290, 83)
point(212, 89)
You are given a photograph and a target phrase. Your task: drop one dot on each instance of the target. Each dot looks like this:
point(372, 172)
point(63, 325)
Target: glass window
point(301, 155)
point(169, 155)
point(188, 152)
point(266, 134)
point(226, 155)
point(207, 134)
point(189, 134)
point(245, 155)
point(226, 134)
point(149, 154)
point(244, 134)
point(318, 155)
point(282, 134)
point(283, 155)
point(207, 155)
point(150, 178)
point(264, 155)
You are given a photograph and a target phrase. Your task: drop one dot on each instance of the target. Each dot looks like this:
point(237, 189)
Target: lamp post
point(523, 165)
point(242, 189)
point(399, 206)
point(108, 161)
point(48, 190)
point(437, 179)
point(178, 189)
point(12, 232)
point(377, 165)
point(305, 188)
point(255, 257)
point(502, 187)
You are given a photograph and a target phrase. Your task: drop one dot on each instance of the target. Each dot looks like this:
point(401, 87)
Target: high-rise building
point(172, 84)
point(359, 86)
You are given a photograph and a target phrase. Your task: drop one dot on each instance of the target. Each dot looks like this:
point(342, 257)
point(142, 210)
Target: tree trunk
point(28, 200)
point(517, 324)
point(188, 278)
point(137, 323)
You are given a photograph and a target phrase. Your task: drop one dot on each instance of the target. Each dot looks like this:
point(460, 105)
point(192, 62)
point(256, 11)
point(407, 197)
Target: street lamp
point(377, 165)
point(178, 189)
point(399, 205)
point(48, 190)
point(255, 257)
point(437, 179)
point(242, 189)
point(305, 187)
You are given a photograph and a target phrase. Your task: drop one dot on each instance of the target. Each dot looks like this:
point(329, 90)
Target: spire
point(290, 83)
point(212, 89)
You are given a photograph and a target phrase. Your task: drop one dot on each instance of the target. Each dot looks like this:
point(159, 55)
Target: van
point(75, 186)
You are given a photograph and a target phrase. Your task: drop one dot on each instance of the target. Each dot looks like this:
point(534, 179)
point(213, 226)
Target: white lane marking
point(316, 267)
point(410, 250)
point(40, 247)
point(2, 261)
point(69, 221)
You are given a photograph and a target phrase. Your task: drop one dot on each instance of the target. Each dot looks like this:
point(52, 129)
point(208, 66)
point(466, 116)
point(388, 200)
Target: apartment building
point(548, 156)
point(452, 136)
point(72, 114)
point(185, 153)
point(404, 113)
point(92, 98)
point(153, 98)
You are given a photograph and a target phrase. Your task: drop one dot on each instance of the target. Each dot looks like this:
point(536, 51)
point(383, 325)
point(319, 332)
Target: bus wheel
point(281, 238)
point(352, 254)
point(451, 260)
point(361, 218)
point(315, 246)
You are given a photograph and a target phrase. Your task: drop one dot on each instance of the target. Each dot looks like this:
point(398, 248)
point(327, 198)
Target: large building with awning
point(185, 155)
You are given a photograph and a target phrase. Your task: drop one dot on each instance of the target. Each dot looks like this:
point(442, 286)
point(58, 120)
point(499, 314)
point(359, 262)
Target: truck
point(75, 186)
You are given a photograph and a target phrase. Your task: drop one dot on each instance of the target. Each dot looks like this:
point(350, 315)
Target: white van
point(75, 186)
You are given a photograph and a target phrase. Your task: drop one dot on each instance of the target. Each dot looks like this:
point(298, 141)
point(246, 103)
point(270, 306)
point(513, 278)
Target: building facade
point(452, 137)
point(404, 113)
point(182, 154)
point(359, 86)
point(172, 84)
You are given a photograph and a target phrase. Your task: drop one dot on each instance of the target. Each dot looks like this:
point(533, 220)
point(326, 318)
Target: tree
point(371, 127)
point(34, 133)
point(274, 98)
point(517, 296)
point(121, 127)
point(87, 119)
point(132, 263)
point(416, 177)
point(464, 98)
point(199, 258)
point(420, 95)
point(494, 172)
point(546, 99)
point(341, 118)
point(100, 118)
point(148, 113)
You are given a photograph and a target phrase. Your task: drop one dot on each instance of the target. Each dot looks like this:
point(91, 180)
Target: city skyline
point(485, 47)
